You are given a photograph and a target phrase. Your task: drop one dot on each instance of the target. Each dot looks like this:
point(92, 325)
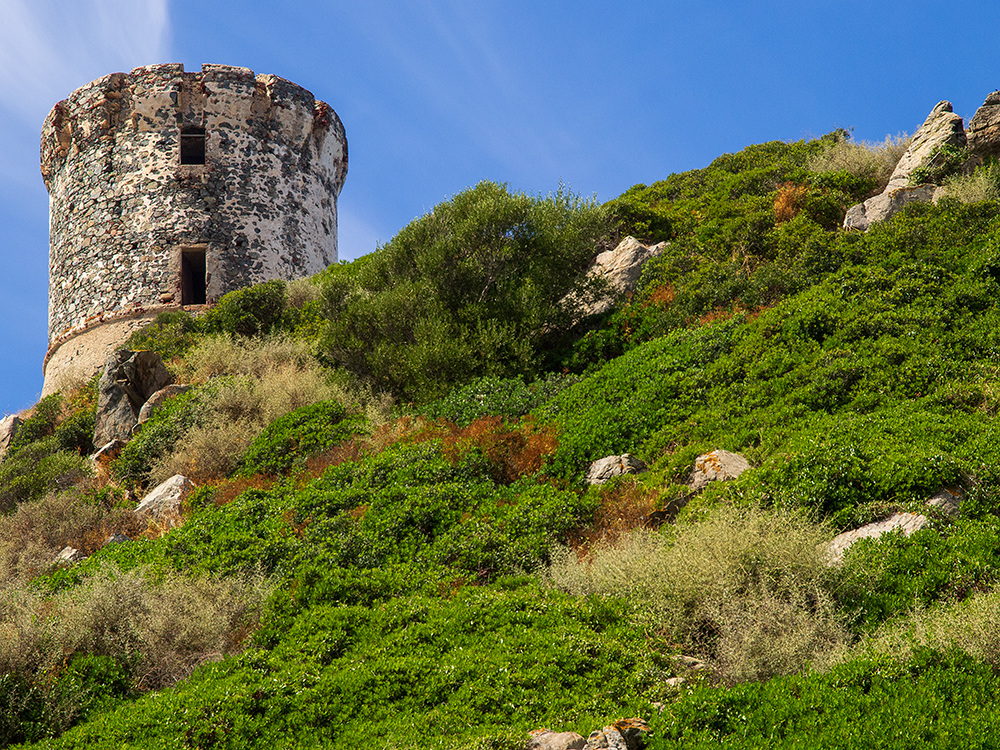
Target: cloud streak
point(48, 48)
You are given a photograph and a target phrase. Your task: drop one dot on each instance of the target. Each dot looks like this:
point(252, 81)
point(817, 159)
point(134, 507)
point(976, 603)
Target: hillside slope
point(391, 543)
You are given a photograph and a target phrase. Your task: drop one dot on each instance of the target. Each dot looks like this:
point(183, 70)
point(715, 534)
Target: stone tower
point(168, 189)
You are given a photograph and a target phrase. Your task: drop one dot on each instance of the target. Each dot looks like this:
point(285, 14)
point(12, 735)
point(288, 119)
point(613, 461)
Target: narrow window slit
point(193, 276)
point(193, 145)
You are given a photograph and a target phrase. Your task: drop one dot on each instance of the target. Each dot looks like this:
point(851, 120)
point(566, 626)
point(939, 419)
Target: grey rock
point(626, 734)
point(983, 132)
point(108, 452)
point(717, 466)
point(68, 556)
point(609, 738)
point(675, 682)
point(881, 207)
point(8, 431)
point(157, 400)
point(116, 539)
point(129, 379)
point(605, 468)
point(164, 502)
point(905, 522)
point(616, 273)
point(546, 739)
point(941, 128)
point(947, 501)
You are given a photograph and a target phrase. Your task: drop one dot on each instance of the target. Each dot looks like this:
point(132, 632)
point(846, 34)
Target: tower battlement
point(168, 189)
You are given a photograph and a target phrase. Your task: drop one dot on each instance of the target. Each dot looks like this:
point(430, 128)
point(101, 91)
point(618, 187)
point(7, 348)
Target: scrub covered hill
point(391, 544)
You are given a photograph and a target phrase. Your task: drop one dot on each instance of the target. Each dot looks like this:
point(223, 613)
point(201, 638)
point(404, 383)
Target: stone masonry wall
point(123, 208)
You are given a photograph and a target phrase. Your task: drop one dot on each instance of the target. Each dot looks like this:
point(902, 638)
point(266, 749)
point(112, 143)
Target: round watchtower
point(168, 189)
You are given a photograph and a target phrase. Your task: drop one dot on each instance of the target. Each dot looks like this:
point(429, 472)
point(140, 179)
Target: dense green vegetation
point(391, 544)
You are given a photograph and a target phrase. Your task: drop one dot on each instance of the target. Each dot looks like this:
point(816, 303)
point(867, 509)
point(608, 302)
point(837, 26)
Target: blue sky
point(436, 95)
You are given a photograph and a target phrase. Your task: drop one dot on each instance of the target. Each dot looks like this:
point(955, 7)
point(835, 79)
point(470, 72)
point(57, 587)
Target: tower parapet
point(168, 189)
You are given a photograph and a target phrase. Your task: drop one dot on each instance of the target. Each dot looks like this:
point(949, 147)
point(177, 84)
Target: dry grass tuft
point(268, 378)
point(872, 160)
point(969, 626)
point(173, 625)
point(981, 185)
point(34, 533)
point(746, 589)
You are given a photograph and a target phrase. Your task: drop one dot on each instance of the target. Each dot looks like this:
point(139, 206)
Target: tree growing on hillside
point(476, 287)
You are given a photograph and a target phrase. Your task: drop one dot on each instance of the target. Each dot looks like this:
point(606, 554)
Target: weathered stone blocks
point(140, 222)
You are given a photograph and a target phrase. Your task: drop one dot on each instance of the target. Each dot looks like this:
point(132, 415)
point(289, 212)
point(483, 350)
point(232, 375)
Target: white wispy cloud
point(50, 47)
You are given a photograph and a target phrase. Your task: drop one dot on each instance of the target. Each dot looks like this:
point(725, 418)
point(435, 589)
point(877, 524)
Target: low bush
point(475, 288)
point(936, 700)
point(510, 398)
point(295, 437)
point(252, 311)
point(404, 666)
point(889, 578)
point(746, 589)
point(871, 161)
point(37, 469)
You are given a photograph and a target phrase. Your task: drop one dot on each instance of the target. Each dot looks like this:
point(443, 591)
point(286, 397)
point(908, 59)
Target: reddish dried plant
point(624, 507)
point(789, 201)
point(512, 450)
point(661, 296)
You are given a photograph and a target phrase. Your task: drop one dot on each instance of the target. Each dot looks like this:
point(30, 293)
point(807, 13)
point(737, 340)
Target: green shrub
point(248, 312)
point(171, 334)
point(40, 425)
point(935, 701)
point(296, 436)
point(507, 397)
point(38, 468)
point(890, 577)
point(944, 161)
point(158, 436)
point(472, 289)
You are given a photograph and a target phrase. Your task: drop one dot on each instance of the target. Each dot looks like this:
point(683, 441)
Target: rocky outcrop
point(626, 734)
point(881, 207)
point(983, 133)
point(717, 466)
point(129, 379)
point(946, 501)
point(546, 739)
point(164, 502)
point(68, 556)
point(618, 271)
point(941, 128)
point(8, 431)
point(605, 468)
point(905, 522)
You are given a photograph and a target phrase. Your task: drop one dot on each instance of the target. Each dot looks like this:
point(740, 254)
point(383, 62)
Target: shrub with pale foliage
point(875, 161)
point(747, 589)
point(172, 625)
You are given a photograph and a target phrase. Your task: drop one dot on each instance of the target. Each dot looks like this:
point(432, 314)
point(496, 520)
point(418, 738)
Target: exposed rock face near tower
point(169, 189)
